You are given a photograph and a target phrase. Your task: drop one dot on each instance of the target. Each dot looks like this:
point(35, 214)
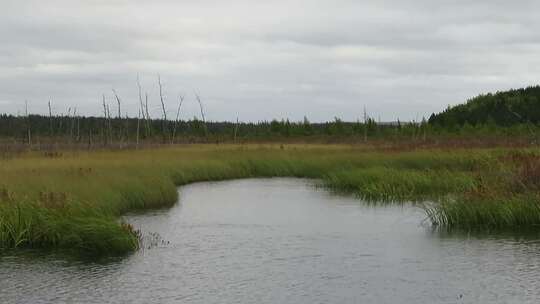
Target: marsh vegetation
point(65, 178)
point(73, 200)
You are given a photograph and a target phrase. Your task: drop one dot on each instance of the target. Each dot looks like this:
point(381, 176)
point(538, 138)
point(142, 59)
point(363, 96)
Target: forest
point(520, 106)
point(509, 115)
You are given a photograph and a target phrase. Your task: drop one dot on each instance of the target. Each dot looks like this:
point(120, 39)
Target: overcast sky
point(260, 60)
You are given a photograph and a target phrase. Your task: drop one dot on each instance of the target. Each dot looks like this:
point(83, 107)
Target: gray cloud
point(267, 59)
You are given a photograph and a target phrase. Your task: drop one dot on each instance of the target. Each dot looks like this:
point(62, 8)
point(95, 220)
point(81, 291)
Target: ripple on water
point(284, 241)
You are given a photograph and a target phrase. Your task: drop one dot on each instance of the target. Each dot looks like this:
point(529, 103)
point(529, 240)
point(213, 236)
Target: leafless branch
point(142, 112)
point(161, 98)
point(181, 100)
point(202, 113)
point(118, 101)
point(164, 121)
point(50, 120)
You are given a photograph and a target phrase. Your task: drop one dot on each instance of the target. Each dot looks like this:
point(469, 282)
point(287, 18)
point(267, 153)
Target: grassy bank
point(73, 200)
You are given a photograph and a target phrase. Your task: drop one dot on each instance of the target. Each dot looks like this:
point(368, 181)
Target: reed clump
point(506, 195)
point(389, 184)
point(73, 200)
point(27, 224)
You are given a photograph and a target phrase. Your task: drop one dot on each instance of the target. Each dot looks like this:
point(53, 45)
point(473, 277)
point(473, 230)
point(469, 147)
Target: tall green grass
point(497, 214)
point(73, 200)
point(26, 224)
point(391, 185)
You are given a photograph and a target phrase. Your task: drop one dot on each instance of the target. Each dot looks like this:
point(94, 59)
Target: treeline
point(506, 109)
point(38, 130)
point(512, 114)
point(102, 131)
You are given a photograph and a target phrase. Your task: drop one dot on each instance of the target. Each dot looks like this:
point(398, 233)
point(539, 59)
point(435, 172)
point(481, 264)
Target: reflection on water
point(284, 241)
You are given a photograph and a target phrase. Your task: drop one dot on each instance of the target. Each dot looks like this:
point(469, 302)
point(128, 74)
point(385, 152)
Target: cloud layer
point(259, 60)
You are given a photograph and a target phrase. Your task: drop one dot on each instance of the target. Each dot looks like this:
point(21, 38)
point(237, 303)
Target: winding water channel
point(284, 241)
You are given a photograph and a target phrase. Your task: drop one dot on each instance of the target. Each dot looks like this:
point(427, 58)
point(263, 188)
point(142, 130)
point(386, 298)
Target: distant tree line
point(100, 131)
point(514, 113)
point(33, 129)
point(503, 109)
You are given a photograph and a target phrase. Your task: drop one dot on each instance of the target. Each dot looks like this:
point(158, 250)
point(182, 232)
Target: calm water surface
point(284, 241)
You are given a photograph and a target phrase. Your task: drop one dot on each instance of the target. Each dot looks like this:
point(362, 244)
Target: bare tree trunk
point(164, 120)
point(110, 124)
point(176, 120)
point(235, 129)
point(138, 128)
point(104, 132)
point(142, 112)
point(119, 115)
point(118, 102)
point(50, 121)
point(148, 129)
point(202, 114)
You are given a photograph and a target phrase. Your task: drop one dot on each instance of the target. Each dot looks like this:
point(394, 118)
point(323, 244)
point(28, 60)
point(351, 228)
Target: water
point(283, 241)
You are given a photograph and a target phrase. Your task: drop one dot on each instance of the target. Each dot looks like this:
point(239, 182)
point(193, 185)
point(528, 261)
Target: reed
point(73, 200)
point(398, 185)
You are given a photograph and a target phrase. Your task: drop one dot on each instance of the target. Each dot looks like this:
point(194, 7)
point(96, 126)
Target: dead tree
point(235, 129)
point(106, 121)
point(142, 112)
point(138, 128)
point(118, 102)
point(181, 98)
point(119, 117)
point(202, 114)
point(149, 129)
point(51, 130)
point(161, 98)
point(104, 137)
point(164, 120)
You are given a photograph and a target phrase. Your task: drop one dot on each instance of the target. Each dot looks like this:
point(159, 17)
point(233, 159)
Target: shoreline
point(73, 202)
